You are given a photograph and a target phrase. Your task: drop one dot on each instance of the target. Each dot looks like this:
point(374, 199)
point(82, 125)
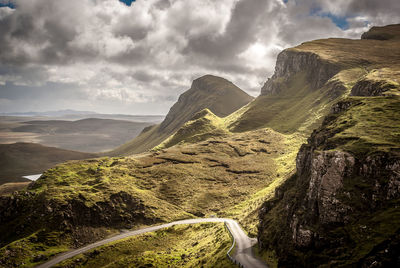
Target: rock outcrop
point(290, 62)
point(316, 216)
point(367, 87)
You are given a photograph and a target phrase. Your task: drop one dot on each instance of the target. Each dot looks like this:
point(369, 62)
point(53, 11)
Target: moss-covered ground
point(199, 245)
point(369, 125)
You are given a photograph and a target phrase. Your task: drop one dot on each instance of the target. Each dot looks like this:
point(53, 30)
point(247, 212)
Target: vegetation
point(228, 165)
point(34, 249)
point(179, 246)
point(369, 125)
point(202, 126)
point(79, 198)
point(217, 94)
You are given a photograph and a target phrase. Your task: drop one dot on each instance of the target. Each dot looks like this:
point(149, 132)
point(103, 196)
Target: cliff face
point(290, 62)
point(342, 207)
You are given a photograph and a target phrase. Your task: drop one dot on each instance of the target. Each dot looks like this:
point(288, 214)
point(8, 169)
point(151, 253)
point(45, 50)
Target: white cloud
point(148, 53)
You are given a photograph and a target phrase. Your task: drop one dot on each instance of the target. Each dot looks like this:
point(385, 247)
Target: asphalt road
point(243, 252)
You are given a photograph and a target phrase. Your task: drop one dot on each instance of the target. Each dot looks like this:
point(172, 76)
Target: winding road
point(243, 255)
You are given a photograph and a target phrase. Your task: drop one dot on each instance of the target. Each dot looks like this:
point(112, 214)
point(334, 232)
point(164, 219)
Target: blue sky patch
point(127, 2)
point(340, 22)
point(7, 4)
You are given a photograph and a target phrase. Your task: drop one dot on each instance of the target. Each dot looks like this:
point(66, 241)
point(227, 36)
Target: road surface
point(243, 252)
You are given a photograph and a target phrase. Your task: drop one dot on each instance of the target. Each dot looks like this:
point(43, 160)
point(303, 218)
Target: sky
point(137, 57)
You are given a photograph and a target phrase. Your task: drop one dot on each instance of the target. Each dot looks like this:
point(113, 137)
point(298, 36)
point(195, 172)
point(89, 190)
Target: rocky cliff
point(290, 62)
point(342, 207)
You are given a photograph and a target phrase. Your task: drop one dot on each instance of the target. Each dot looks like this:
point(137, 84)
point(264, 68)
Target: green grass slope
point(208, 92)
point(337, 65)
point(200, 245)
point(81, 201)
point(226, 164)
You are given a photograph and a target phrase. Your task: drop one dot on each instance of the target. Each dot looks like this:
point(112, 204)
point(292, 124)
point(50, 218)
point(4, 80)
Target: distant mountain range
point(48, 113)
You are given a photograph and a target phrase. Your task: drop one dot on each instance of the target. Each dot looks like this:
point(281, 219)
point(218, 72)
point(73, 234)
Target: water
point(32, 177)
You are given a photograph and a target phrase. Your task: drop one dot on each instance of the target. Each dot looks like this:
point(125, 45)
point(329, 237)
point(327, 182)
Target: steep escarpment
point(311, 77)
point(217, 94)
point(297, 96)
point(341, 208)
point(290, 62)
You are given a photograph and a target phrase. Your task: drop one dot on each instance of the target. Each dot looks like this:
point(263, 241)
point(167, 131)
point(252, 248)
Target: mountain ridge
point(312, 161)
point(219, 95)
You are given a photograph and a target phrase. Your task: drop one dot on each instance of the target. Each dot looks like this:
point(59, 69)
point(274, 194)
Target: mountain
point(21, 159)
point(342, 206)
point(310, 167)
point(214, 93)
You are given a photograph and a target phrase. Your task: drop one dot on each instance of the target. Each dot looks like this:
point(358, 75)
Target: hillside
point(81, 201)
point(20, 159)
point(332, 201)
point(217, 94)
point(341, 208)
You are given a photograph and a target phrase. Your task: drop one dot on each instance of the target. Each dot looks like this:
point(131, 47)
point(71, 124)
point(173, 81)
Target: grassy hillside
point(180, 246)
point(342, 206)
point(229, 164)
point(82, 201)
point(202, 126)
point(19, 159)
point(217, 94)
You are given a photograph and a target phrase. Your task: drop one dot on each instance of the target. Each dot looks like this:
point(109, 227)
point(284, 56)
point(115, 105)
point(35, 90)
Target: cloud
point(110, 56)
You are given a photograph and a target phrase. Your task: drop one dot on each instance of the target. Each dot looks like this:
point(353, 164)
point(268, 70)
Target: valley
point(310, 168)
point(30, 145)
